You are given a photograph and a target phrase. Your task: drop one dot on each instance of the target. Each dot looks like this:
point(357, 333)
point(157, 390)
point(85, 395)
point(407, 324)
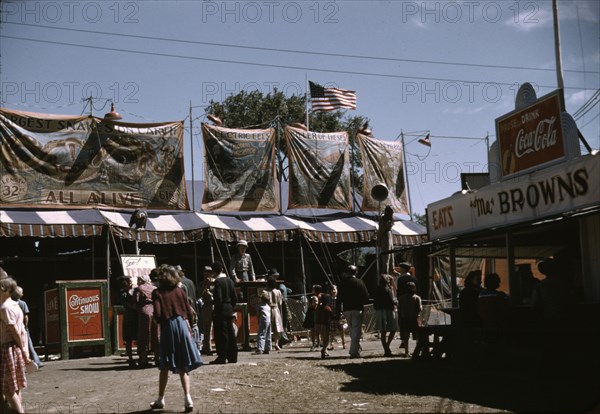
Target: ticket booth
point(242, 323)
point(252, 290)
point(82, 307)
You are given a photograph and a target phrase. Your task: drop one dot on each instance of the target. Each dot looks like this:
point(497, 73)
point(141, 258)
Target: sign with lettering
point(566, 187)
point(136, 265)
point(531, 136)
point(52, 316)
point(85, 162)
point(84, 314)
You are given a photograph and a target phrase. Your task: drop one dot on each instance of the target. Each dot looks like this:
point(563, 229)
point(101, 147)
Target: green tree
point(419, 218)
point(257, 110)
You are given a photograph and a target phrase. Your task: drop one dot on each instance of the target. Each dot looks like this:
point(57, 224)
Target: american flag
point(329, 99)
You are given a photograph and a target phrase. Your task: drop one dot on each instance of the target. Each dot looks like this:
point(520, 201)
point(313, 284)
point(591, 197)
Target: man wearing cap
point(352, 298)
point(404, 278)
point(241, 268)
point(206, 297)
point(189, 285)
point(224, 316)
point(403, 287)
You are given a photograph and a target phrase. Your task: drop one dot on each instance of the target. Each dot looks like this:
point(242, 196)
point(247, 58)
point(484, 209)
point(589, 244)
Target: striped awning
point(75, 223)
point(256, 229)
point(360, 230)
point(184, 227)
point(168, 228)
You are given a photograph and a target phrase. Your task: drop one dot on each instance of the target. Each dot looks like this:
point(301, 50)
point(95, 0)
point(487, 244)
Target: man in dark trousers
point(404, 278)
point(224, 301)
point(403, 288)
point(352, 297)
point(189, 285)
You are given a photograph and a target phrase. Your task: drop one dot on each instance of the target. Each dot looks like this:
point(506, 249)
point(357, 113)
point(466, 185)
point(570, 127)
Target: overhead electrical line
point(303, 68)
point(305, 52)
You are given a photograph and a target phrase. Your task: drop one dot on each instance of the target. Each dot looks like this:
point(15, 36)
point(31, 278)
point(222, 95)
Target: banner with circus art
point(319, 169)
point(239, 169)
point(382, 163)
point(84, 161)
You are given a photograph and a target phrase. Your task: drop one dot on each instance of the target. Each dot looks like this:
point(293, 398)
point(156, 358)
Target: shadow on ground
point(557, 387)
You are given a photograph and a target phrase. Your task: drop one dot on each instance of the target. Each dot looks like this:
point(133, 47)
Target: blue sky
point(444, 67)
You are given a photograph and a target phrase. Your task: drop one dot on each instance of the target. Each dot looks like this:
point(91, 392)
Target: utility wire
point(588, 122)
point(305, 52)
point(383, 75)
point(588, 104)
point(586, 111)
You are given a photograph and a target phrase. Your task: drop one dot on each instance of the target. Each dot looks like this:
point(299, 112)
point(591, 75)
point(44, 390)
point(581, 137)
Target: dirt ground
point(296, 380)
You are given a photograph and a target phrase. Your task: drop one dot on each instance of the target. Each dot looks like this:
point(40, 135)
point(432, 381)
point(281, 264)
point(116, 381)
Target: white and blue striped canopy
point(182, 227)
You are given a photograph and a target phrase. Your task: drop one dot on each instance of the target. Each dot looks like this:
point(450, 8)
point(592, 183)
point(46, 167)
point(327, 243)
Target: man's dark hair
point(217, 267)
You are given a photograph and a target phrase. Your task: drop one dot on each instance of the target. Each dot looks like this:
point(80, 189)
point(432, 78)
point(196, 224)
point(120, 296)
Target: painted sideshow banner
point(531, 137)
point(84, 314)
point(239, 169)
point(319, 169)
point(69, 161)
point(382, 163)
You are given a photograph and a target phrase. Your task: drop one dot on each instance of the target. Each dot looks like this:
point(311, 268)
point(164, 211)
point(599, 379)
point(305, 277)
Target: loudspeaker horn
point(379, 192)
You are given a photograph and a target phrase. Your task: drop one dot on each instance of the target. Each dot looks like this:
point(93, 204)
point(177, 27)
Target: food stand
point(542, 201)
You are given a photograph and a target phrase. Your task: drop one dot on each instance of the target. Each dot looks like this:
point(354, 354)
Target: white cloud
point(576, 99)
point(533, 16)
point(417, 21)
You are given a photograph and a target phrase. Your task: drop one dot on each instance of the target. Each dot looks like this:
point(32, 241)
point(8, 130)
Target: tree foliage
point(420, 218)
point(257, 110)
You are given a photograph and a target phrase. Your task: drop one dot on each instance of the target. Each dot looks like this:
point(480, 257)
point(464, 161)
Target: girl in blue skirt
point(178, 352)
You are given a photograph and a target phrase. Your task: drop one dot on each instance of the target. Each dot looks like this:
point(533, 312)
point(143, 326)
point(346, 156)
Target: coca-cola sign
point(530, 137)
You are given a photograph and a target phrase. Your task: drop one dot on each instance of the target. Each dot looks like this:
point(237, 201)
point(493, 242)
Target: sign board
point(531, 136)
point(135, 265)
point(118, 341)
point(52, 317)
point(566, 187)
point(84, 314)
point(83, 308)
point(242, 323)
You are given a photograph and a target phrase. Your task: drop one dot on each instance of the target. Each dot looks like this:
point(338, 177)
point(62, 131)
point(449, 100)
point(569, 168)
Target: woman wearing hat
point(147, 327)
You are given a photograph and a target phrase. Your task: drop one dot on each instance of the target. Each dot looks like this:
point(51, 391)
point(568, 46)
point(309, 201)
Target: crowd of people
point(173, 322)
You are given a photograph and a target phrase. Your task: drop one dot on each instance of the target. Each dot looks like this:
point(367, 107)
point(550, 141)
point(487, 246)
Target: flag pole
point(406, 176)
point(306, 99)
point(557, 55)
point(559, 71)
point(192, 156)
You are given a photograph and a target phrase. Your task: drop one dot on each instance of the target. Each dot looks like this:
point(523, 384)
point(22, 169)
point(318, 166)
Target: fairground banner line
point(83, 161)
point(239, 169)
point(319, 166)
point(382, 163)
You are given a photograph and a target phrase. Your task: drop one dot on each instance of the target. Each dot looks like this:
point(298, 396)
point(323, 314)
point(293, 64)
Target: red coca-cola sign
point(530, 137)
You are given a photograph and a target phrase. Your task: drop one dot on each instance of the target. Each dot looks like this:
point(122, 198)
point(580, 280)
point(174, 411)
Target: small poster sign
point(136, 265)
